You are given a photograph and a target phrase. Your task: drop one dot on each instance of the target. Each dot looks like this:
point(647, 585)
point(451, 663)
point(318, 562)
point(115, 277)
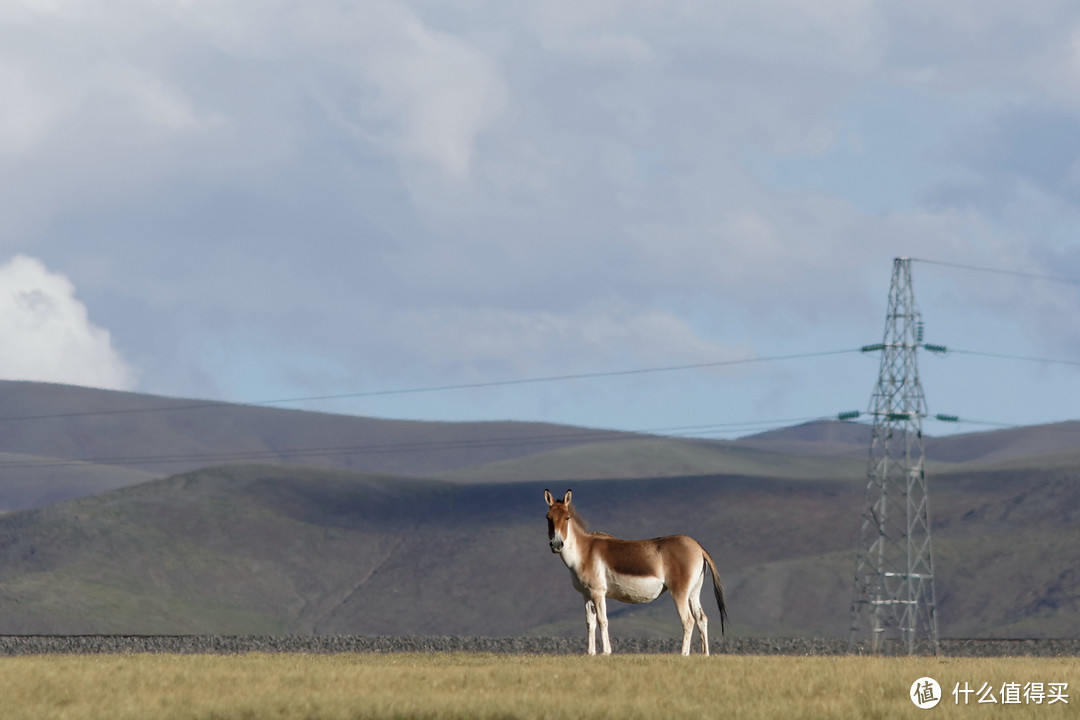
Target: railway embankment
point(15, 645)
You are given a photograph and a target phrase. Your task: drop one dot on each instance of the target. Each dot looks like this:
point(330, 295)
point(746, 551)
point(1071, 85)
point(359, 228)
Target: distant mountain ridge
point(79, 441)
point(831, 437)
point(60, 442)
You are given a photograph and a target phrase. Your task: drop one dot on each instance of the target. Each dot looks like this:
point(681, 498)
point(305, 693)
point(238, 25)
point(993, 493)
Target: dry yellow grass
point(496, 686)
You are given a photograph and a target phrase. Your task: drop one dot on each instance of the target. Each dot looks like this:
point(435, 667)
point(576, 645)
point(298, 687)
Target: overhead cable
point(1003, 356)
point(435, 388)
point(999, 271)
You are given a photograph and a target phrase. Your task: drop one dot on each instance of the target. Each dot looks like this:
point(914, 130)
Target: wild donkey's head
point(559, 516)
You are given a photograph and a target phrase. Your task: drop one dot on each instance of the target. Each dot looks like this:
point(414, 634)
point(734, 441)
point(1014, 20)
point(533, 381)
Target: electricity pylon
point(894, 567)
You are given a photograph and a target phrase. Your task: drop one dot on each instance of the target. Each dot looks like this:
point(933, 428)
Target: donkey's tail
point(718, 588)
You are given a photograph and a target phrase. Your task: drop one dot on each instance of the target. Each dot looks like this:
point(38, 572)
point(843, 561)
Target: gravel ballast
point(14, 645)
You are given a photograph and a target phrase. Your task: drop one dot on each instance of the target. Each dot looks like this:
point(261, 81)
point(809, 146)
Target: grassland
point(444, 685)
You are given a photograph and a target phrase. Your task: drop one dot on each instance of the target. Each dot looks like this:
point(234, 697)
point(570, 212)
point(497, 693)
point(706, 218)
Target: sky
point(321, 202)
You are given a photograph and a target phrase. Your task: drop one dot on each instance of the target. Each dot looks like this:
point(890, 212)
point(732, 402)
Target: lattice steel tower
point(894, 568)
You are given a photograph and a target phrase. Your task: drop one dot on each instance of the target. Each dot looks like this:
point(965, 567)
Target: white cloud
point(48, 335)
point(443, 91)
point(436, 90)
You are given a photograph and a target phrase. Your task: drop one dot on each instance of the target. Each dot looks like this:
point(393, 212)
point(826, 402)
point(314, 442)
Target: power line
point(439, 388)
point(1069, 426)
point(686, 431)
point(999, 271)
point(562, 378)
point(1003, 356)
point(942, 350)
point(218, 405)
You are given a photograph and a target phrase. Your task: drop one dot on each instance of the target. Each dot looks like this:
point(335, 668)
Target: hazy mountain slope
point(127, 437)
point(1013, 445)
point(243, 550)
point(292, 550)
point(821, 437)
point(28, 481)
point(839, 439)
point(634, 457)
point(154, 437)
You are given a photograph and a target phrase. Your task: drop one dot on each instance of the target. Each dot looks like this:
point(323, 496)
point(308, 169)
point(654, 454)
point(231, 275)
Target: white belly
point(633, 588)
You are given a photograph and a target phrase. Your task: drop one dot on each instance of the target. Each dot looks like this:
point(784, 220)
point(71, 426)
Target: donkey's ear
point(566, 498)
point(549, 498)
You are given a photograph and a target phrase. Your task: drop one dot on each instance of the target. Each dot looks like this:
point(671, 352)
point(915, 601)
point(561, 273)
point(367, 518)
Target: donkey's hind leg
point(682, 604)
point(701, 619)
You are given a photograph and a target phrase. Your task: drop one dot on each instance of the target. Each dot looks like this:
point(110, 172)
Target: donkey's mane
point(576, 517)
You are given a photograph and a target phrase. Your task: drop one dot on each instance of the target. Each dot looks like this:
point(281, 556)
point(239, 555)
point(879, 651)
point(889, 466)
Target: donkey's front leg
point(590, 624)
point(601, 616)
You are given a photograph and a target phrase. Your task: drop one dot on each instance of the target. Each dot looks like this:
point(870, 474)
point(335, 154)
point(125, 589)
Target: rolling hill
point(78, 441)
point(61, 442)
point(273, 549)
point(838, 439)
point(659, 457)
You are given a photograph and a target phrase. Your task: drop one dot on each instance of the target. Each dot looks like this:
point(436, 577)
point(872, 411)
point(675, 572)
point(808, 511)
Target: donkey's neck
point(573, 552)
